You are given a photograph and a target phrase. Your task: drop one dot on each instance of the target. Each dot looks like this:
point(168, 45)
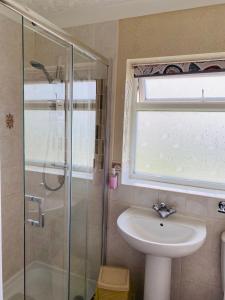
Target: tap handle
point(164, 206)
point(155, 207)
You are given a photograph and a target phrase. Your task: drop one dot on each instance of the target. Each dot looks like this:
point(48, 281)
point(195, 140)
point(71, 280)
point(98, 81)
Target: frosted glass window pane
point(185, 87)
point(44, 136)
point(84, 90)
point(186, 145)
point(44, 91)
point(83, 140)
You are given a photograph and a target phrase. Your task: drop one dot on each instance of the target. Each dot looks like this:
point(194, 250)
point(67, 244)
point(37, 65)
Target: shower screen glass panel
point(64, 146)
point(88, 144)
point(47, 164)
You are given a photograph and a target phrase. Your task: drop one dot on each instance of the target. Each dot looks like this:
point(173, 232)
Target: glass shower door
point(88, 148)
point(64, 146)
point(47, 62)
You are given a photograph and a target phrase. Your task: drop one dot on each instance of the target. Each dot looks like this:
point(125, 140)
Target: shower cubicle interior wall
point(53, 123)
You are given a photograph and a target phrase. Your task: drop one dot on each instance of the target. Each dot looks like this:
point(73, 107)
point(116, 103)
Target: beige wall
point(11, 142)
point(87, 195)
point(103, 38)
point(195, 277)
point(195, 31)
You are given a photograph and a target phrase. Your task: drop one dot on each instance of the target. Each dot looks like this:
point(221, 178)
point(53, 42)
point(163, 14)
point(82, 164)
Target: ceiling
point(68, 13)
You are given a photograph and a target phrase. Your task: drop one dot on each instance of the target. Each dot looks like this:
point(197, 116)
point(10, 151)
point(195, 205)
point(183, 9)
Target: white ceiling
point(68, 13)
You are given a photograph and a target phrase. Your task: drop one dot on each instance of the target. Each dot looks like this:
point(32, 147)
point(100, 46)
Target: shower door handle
point(40, 222)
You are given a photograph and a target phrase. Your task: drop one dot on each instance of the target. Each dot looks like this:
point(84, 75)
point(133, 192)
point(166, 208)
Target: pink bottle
point(113, 180)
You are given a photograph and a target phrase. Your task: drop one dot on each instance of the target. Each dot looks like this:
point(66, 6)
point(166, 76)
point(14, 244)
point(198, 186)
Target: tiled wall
point(11, 143)
point(85, 225)
point(195, 31)
point(86, 193)
point(103, 38)
point(195, 277)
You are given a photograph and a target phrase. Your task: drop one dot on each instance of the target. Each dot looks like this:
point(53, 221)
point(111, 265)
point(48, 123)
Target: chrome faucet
point(163, 210)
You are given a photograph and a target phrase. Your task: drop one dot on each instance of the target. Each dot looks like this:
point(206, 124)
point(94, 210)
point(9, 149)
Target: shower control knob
point(221, 207)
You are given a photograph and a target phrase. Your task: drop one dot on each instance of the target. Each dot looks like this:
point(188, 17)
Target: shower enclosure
point(54, 159)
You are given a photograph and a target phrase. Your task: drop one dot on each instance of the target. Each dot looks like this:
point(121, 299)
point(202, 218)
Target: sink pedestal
point(157, 278)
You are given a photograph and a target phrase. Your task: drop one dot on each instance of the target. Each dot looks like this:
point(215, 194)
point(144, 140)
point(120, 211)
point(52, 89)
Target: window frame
point(192, 105)
point(203, 99)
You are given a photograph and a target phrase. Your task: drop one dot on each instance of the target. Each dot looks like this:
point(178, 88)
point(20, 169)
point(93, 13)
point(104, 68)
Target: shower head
point(39, 66)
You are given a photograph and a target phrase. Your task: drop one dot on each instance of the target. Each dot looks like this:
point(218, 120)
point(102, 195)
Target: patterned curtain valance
point(146, 70)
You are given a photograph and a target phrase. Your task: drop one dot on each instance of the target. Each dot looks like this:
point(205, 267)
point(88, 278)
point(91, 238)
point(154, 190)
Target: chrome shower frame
point(53, 29)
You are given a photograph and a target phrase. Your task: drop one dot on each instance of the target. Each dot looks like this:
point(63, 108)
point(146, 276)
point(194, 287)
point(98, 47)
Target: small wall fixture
point(114, 176)
point(221, 207)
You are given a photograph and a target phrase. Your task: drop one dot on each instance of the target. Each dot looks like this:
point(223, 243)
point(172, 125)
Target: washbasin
point(175, 236)
point(160, 240)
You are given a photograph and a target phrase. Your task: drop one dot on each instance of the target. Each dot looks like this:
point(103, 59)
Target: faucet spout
point(163, 210)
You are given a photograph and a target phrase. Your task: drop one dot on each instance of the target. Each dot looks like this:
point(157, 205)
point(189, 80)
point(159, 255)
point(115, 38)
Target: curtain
point(147, 70)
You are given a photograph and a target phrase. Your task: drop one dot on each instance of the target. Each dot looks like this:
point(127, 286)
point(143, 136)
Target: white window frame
point(203, 99)
point(129, 177)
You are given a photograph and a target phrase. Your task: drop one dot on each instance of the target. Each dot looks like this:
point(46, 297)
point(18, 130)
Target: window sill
point(81, 175)
point(220, 194)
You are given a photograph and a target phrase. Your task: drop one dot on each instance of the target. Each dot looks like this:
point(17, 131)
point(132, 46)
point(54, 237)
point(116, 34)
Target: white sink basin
point(175, 236)
point(161, 240)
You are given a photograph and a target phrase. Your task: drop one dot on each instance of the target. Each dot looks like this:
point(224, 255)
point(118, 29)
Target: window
point(45, 124)
point(175, 130)
point(200, 88)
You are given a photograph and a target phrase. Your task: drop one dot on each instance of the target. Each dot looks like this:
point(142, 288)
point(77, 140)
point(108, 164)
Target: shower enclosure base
point(47, 277)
